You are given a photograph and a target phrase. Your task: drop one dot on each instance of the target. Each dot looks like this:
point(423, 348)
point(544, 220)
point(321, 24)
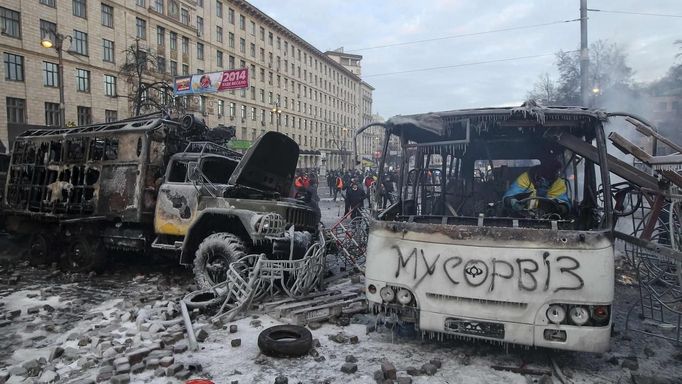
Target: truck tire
point(214, 256)
point(285, 341)
point(43, 249)
point(84, 254)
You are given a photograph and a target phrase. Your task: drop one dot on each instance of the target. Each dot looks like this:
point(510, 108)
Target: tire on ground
point(285, 341)
point(84, 254)
point(203, 298)
point(224, 248)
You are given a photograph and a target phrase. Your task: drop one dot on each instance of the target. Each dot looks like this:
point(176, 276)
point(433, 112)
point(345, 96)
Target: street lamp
point(58, 45)
point(277, 110)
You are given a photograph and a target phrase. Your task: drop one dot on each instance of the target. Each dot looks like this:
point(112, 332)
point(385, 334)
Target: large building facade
point(293, 87)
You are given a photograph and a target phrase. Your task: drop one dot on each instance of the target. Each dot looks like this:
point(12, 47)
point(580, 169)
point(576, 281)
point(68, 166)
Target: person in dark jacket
point(355, 199)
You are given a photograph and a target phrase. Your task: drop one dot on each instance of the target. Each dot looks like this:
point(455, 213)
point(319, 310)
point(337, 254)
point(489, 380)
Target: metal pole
point(584, 56)
point(62, 112)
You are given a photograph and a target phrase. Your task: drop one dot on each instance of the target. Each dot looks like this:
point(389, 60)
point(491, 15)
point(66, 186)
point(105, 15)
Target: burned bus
point(501, 230)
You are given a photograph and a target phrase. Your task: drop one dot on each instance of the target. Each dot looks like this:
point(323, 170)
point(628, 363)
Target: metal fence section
point(658, 272)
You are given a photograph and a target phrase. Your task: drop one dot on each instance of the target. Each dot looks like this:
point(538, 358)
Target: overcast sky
point(357, 24)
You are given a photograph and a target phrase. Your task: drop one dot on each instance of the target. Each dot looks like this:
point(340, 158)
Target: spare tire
point(285, 341)
point(204, 298)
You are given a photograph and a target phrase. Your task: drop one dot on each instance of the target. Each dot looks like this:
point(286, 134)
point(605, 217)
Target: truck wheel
point(84, 254)
point(214, 256)
point(43, 249)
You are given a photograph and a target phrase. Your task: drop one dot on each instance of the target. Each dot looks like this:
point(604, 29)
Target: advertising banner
point(211, 82)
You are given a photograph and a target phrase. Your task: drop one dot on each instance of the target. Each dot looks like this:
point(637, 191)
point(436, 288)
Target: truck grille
point(300, 218)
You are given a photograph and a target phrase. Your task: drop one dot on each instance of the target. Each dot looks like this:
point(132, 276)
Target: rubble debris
point(202, 335)
point(388, 369)
point(233, 328)
point(630, 363)
point(281, 380)
point(349, 368)
point(429, 369)
point(236, 342)
point(351, 359)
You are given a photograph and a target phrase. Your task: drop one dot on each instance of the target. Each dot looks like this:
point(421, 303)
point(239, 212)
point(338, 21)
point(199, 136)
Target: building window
point(185, 45)
point(50, 74)
point(200, 3)
point(252, 50)
point(108, 51)
point(242, 22)
point(173, 41)
point(107, 16)
point(252, 30)
point(14, 67)
point(141, 29)
point(230, 39)
point(10, 22)
point(231, 62)
point(200, 26)
point(262, 34)
point(80, 8)
point(161, 64)
point(109, 85)
point(140, 3)
point(270, 38)
point(253, 93)
point(52, 114)
point(110, 116)
point(185, 69)
point(253, 113)
point(80, 41)
point(243, 112)
point(82, 80)
point(184, 16)
point(242, 45)
point(221, 107)
point(16, 110)
point(200, 51)
point(160, 36)
point(219, 34)
point(173, 9)
point(230, 15)
point(48, 30)
point(84, 115)
point(49, 3)
point(219, 59)
point(173, 68)
point(158, 6)
point(232, 109)
point(219, 9)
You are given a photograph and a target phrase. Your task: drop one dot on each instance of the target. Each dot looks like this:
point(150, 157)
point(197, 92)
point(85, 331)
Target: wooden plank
point(630, 148)
point(648, 131)
point(673, 176)
point(620, 168)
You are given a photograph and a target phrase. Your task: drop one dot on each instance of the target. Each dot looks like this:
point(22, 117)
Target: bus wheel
point(43, 249)
point(84, 254)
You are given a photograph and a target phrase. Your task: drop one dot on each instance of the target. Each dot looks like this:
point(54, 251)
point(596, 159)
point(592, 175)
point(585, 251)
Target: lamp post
point(278, 111)
point(58, 45)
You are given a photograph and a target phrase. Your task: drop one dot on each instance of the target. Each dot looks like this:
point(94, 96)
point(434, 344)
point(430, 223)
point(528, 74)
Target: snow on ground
point(247, 365)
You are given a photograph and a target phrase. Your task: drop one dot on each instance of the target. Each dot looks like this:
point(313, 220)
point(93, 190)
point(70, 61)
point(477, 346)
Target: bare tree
point(609, 72)
point(544, 90)
point(150, 89)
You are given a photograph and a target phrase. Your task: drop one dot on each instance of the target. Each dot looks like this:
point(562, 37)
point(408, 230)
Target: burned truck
point(86, 193)
point(473, 249)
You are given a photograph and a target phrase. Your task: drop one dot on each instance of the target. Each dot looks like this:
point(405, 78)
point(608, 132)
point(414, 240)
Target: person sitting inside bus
point(543, 181)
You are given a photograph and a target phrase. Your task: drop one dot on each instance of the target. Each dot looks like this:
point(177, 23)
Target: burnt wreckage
point(153, 184)
point(454, 257)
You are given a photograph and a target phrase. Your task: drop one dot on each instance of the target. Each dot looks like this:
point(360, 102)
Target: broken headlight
point(270, 224)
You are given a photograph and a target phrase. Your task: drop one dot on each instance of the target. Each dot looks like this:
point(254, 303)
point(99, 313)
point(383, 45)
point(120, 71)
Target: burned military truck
point(79, 191)
point(154, 184)
point(242, 208)
point(466, 252)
